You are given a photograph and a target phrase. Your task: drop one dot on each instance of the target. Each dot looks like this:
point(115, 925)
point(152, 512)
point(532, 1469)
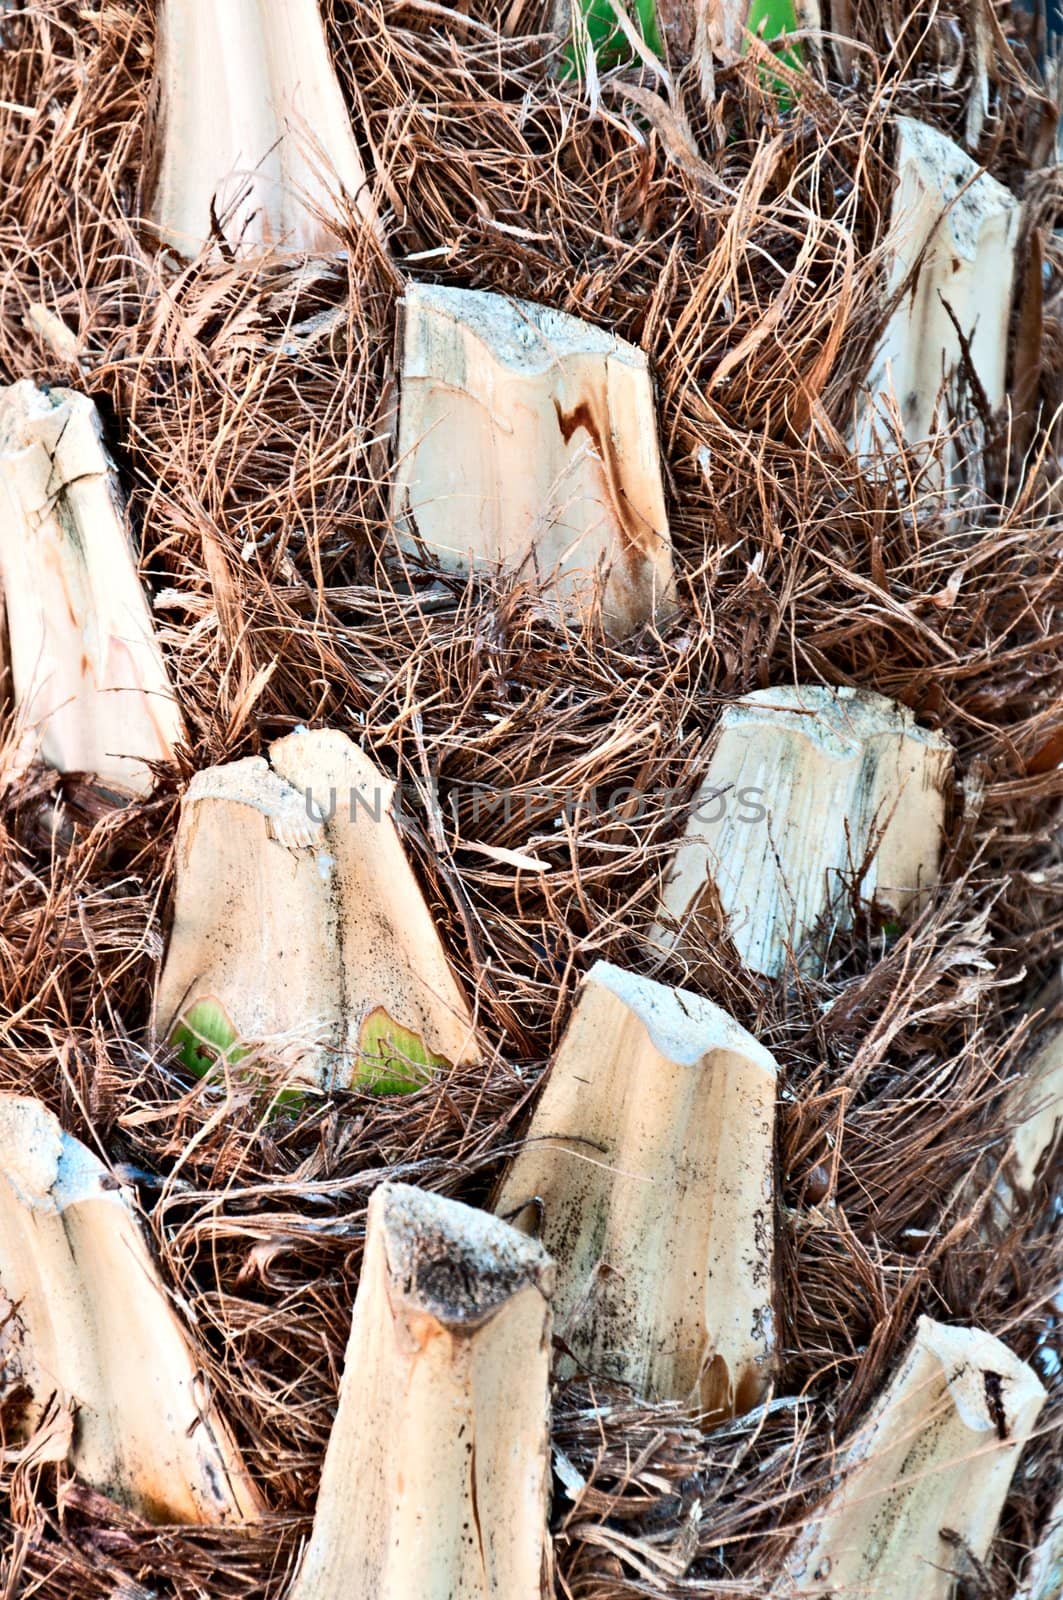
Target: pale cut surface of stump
point(297, 913)
point(436, 1477)
point(1035, 1108)
point(250, 124)
point(90, 684)
point(965, 225)
point(829, 771)
point(527, 442)
point(937, 1450)
point(647, 1175)
point(1033, 1112)
point(86, 1320)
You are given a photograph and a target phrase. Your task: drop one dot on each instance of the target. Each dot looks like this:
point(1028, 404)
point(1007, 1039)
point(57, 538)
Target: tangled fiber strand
point(248, 406)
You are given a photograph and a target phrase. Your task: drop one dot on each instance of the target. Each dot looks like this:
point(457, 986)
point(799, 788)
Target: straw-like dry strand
point(647, 1175)
point(546, 779)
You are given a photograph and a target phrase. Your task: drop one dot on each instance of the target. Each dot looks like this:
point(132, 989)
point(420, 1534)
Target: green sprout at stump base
point(391, 1058)
point(204, 1036)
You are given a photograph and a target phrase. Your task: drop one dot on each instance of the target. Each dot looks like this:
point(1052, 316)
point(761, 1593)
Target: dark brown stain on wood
point(637, 537)
point(994, 1399)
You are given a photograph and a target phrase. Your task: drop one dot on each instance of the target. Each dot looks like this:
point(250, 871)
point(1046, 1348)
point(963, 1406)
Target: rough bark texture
point(527, 441)
point(741, 245)
point(91, 687)
point(647, 1174)
point(252, 139)
point(93, 1360)
point(805, 786)
point(936, 1452)
point(435, 1482)
point(298, 914)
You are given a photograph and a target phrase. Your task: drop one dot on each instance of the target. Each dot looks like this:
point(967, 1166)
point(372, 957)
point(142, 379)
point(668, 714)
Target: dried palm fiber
point(743, 249)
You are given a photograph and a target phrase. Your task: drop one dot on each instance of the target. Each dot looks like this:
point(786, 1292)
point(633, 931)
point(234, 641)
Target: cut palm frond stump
point(252, 141)
point(805, 787)
point(436, 1479)
point(91, 689)
point(1035, 1106)
point(1032, 1111)
point(300, 929)
point(647, 1175)
point(937, 1452)
point(954, 232)
point(527, 442)
point(93, 1358)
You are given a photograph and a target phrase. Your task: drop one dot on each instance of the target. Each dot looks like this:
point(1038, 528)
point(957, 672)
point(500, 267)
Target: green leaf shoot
point(772, 19)
point(204, 1035)
point(596, 21)
point(392, 1059)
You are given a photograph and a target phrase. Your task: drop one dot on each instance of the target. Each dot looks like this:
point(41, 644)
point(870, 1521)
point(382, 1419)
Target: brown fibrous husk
point(248, 406)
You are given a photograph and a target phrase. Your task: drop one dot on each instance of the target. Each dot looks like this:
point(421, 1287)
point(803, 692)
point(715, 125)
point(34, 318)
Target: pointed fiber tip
point(451, 1261)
